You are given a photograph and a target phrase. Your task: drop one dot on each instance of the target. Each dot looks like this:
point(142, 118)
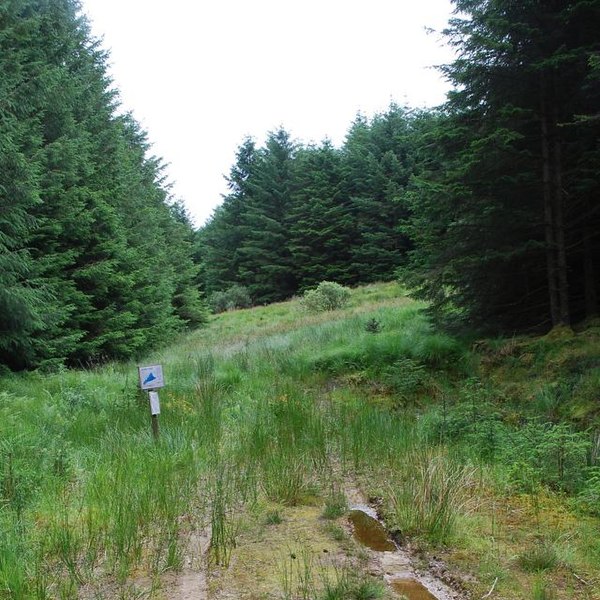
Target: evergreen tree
point(378, 166)
point(300, 215)
point(265, 261)
point(21, 314)
point(221, 239)
point(20, 301)
point(188, 303)
point(85, 212)
point(494, 233)
point(320, 237)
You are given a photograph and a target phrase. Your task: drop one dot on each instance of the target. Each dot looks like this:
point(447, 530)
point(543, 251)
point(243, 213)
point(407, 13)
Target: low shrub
point(234, 297)
point(373, 325)
point(327, 296)
point(549, 454)
point(405, 377)
point(588, 499)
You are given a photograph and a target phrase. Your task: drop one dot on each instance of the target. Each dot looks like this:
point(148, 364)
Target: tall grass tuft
point(345, 584)
point(430, 494)
point(541, 556)
point(14, 558)
point(223, 521)
point(336, 504)
point(541, 590)
point(285, 477)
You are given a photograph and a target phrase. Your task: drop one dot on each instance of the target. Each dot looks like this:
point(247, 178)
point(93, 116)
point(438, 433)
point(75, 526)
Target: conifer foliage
point(298, 215)
point(487, 207)
point(505, 216)
point(96, 263)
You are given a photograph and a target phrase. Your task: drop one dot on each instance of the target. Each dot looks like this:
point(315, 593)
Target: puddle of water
point(412, 589)
point(369, 510)
point(370, 532)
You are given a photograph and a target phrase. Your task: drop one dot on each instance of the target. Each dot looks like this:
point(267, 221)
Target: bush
point(588, 499)
point(234, 297)
point(327, 296)
point(405, 377)
point(549, 454)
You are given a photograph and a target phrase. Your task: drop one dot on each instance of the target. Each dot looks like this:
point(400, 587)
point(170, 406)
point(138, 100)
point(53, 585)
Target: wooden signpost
point(151, 380)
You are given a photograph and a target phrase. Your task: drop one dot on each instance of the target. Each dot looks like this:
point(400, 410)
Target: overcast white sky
point(200, 75)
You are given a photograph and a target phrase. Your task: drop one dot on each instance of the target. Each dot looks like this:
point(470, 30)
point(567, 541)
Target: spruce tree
point(87, 223)
point(496, 212)
point(318, 237)
point(220, 240)
point(265, 261)
point(378, 165)
point(20, 298)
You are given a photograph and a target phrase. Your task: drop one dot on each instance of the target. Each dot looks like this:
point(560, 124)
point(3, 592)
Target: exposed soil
point(191, 582)
point(274, 559)
point(394, 563)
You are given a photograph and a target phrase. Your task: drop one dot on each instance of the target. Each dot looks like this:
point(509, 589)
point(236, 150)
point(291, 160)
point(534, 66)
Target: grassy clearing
point(267, 412)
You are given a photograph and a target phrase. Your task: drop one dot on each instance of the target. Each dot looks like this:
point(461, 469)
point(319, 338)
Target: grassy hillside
point(273, 421)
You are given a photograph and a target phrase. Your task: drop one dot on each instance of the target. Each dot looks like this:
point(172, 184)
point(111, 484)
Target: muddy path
point(190, 583)
point(299, 541)
point(396, 564)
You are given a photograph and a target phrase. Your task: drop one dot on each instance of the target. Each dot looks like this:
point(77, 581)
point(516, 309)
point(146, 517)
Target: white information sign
point(151, 378)
point(154, 403)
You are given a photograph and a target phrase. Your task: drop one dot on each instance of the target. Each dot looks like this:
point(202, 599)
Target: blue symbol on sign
point(150, 378)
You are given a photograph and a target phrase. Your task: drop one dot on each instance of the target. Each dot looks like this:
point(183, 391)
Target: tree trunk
point(559, 229)
point(551, 262)
point(589, 275)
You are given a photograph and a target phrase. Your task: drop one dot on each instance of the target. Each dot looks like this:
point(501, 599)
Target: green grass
point(541, 556)
point(279, 406)
point(346, 585)
point(335, 503)
point(429, 495)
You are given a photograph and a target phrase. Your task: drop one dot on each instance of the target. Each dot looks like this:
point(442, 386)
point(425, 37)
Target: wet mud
point(411, 589)
point(394, 563)
point(370, 532)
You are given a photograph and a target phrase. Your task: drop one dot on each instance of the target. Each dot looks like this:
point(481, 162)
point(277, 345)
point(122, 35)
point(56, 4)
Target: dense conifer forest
point(487, 206)
point(95, 257)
